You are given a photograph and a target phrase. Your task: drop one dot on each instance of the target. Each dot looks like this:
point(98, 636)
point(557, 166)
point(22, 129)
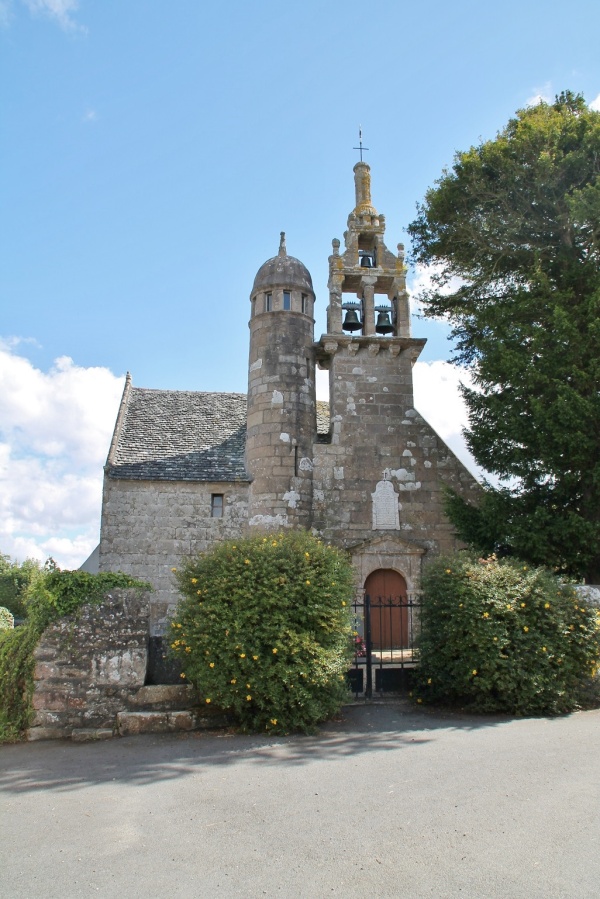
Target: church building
point(365, 471)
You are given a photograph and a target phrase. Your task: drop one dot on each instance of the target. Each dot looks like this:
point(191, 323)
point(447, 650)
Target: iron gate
point(385, 631)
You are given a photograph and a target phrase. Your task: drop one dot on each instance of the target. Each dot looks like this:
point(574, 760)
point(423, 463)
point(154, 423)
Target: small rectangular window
point(304, 303)
point(268, 302)
point(287, 300)
point(216, 505)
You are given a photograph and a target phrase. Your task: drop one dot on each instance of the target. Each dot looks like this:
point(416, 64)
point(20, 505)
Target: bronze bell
point(351, 321)
point(384, 324)
point(366, 261)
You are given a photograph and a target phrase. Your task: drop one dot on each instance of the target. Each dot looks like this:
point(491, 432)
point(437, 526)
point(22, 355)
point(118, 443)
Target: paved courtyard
point(386, 802)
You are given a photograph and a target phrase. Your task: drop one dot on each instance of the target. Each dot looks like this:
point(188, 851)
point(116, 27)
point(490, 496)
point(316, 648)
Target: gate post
point(368, 647)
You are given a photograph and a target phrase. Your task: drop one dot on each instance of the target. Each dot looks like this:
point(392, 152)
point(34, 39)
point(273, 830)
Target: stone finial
point(336, 246)
point(282, 246)
point(362, 187)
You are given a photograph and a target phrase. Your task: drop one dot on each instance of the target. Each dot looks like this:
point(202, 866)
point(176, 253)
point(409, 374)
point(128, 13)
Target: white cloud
point(55, 430)
point(5, 13)
point(438, 399)
point(61, 11)
point(90, 115)
point(595, 104)
point(421, 279)
point(541, 95)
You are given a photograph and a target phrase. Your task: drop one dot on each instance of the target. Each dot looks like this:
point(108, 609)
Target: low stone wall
point(89, 666)
point(90, 678)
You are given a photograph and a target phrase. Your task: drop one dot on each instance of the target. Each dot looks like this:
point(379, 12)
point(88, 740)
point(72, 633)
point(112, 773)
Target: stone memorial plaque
point(385, 507)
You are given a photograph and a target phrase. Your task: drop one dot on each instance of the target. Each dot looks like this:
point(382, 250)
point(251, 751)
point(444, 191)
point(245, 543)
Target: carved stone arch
point(388, 552)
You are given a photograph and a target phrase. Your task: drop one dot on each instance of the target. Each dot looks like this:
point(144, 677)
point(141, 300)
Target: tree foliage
point(15, 577)
point(264, 629)
point(497, 635)
point(513, 233)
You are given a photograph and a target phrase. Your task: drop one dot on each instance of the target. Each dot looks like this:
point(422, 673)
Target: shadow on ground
point(361, 728)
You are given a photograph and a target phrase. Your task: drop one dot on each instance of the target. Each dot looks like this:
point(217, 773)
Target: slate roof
point(178, 435)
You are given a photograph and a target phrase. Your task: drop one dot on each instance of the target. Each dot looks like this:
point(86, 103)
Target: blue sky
point(153, 151)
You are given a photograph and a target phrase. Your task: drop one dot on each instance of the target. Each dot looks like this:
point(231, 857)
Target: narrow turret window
point(268, 302)
point(304, 303)
point(287, 300)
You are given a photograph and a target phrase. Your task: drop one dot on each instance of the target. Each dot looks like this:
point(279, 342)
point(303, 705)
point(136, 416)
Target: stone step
point(168, 722)
point(164, 698)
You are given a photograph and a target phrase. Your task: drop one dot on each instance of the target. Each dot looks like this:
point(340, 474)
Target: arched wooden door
point(389, 609)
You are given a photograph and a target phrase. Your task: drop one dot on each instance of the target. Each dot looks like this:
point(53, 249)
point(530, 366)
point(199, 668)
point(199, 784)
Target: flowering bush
point(264, 629)
point(7, 620)
point(500, 636)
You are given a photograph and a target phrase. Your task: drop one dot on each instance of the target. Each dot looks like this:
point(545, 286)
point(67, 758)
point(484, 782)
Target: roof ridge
point(121, 415)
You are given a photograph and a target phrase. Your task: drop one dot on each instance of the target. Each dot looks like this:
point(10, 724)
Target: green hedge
point(264, 629)
point(501, 636)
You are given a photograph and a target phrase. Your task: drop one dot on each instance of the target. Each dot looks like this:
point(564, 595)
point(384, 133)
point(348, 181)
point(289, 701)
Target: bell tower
point(369, 352)
point(365, 271)
point(281, 423)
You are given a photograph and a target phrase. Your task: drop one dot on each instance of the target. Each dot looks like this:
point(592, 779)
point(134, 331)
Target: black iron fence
point(386, 629)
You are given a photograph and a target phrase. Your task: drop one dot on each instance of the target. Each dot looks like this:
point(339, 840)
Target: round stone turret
point(283, 271)
point(281, 424)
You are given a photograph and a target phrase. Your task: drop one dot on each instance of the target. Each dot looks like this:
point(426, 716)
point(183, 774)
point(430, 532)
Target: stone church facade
point(186, 469)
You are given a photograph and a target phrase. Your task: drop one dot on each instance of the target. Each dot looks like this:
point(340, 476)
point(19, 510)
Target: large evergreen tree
point(513, 231)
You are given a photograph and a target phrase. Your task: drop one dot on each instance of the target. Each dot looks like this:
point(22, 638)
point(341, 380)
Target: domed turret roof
point(283, 271)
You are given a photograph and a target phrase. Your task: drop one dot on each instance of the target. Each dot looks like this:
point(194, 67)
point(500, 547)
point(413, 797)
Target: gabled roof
point(183, 435)
point(177, 435)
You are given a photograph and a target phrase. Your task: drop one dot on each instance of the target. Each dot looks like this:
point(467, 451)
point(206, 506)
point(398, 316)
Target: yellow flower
point(448, 571)
point(255, 658)
point(428, 680)
point(522, 605)
point(274, 543)
point(486, 614)
point(308, 583)
point(274, 650)
point(234, 547)
point(233, 680)
point(495, 639)
point(248, 698)
point(182, 675)
point(508, 606)
point(525, 628)
point(419, 699)
point(307, 555)
point(547, 605)
point(207, 699)
point(343, 603)
point(474, 671)
point(188, 649)
point(194, 580)
point(242, 655)
point(544, 649)
point(246, 561)
point(273, 720)
point(212, 665)
point(173, 569)
point(199, 592)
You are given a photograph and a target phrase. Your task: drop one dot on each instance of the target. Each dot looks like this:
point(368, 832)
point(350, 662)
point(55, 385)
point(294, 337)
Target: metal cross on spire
point(360, 143)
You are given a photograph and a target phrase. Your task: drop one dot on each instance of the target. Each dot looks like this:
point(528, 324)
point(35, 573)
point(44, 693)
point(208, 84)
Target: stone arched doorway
point(388, 596)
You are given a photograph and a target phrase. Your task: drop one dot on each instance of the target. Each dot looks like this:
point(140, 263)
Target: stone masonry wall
point(147, 526)
point(377, 435)
point(89, 666)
